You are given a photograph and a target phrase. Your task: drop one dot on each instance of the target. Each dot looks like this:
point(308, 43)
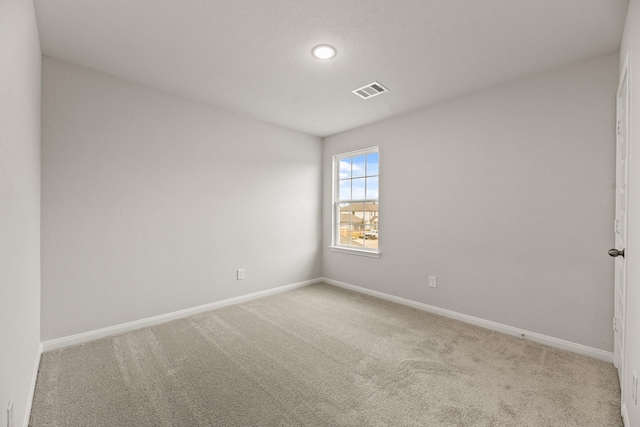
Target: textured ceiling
point(253, 57)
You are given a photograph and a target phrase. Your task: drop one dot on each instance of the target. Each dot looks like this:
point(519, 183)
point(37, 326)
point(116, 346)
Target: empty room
point(319, 213)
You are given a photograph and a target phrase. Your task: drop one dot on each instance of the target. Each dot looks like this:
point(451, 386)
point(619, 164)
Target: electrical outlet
point(634, 389)
point(10, 414)
point(432, 282)
point(241, 274)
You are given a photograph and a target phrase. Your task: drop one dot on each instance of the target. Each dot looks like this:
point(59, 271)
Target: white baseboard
point(163, 318)
point(150, 321)
point(488, 324)
point(32, 387)
point(625, 415)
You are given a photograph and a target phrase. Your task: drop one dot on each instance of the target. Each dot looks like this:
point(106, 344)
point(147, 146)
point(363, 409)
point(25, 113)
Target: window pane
point(371, 213)
point(357, 189)
point(351, 227)
point(343, 224)
point(372, 164)
point(371, 225)
point(344, 190)
point(370, 237)
point(372, 188)
point(373, 207)
point(357, 226)
point(345, 168)
point(357, 166)
point(344, 213)
point(344, 234)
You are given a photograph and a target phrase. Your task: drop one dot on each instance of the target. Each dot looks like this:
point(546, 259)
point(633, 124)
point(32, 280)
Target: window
point(355, 202)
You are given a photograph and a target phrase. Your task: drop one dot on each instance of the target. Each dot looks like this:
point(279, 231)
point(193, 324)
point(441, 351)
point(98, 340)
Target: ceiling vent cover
point(370, 90)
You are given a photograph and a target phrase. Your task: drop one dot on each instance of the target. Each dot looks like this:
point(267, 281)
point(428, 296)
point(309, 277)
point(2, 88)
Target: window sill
point(359, 252)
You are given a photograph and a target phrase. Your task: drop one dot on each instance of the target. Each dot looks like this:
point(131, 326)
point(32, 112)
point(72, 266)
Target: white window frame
point(335, 206)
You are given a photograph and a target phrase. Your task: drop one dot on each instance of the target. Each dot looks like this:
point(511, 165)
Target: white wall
point(507, 196)
point(150, 203)
point(631, 44)
point(19, 205)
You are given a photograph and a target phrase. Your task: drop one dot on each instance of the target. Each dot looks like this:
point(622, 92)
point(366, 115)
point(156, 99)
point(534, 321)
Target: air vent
point(370, 90)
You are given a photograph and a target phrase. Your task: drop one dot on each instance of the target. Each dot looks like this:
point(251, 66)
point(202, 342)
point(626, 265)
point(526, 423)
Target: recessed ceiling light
point(324, 51)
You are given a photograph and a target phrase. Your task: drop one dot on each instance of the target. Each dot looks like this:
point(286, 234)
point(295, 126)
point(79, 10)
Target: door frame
point(620, 294)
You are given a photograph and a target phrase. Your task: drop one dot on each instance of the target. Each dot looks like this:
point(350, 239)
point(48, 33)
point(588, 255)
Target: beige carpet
point(321, 356)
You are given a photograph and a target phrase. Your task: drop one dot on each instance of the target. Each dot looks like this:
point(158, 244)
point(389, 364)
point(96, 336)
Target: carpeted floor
point(321, 356)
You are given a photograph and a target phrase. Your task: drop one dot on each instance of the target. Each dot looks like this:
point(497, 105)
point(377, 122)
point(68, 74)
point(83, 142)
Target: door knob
point(615, 253)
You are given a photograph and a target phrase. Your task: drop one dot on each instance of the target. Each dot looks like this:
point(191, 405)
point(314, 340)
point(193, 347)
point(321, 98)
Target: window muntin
point(356, 200)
